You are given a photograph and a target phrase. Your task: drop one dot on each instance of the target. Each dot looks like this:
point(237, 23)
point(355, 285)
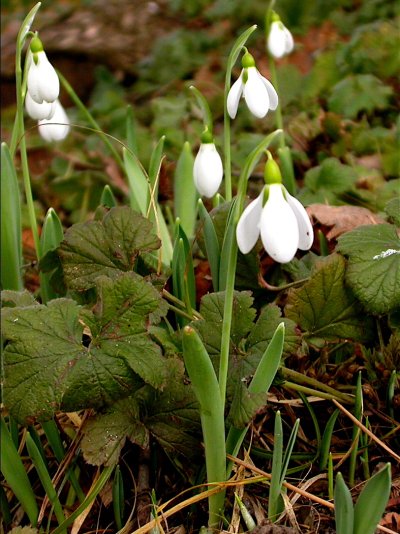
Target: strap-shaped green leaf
point(372, 502)
point(344, 513)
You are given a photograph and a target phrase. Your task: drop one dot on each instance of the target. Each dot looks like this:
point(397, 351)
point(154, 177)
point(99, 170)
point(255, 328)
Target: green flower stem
point(229, 257)
point(81, 106)
point(278, 111)
point(19, 133)
point(302, 379)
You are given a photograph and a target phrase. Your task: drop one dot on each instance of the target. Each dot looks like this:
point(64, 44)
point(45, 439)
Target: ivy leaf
point(325, 308)
point(107, 247)
point(170, 416)
point(50, 366)
point(360, 92)
point(373, 270)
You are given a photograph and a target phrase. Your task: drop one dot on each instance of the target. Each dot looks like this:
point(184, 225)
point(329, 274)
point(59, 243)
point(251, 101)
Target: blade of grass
point(45, 479)
point(326, 440)
point(14, 473)
point(358, 411)
point(107, 197)
point(118, 497)
point(276, 484)
point(98, 486)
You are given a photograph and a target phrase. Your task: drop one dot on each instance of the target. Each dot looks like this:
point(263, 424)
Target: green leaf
point(360, 92)
point(170, 416)
point(12, 299)
point(106, 247)
point(372, 502)
point(245, 406)
point(328, 181)
point(248, 340)
point(344, 513)
point(106, 434)
point(185, 195)
point(325, 308)
point(373, 270)
point(392, 208)
point(11, 242)
point(50, 365)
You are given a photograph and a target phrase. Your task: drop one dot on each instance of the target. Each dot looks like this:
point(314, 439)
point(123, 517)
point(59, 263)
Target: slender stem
point(227, 146)
point(299, 377)
point(310, 391)
point(278, 111)
point(80, 105)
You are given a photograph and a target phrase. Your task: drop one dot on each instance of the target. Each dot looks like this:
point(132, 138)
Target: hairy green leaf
point(106, 247)
point(373, 270)
point(325, 308)
point(60, 356)
point(359, 92)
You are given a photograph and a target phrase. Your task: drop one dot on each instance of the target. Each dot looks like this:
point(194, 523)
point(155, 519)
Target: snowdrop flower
point(280, 40)
point(36, 111)
point(43, 84)
point(258, 92)
point(57, 127)
point(278, 217)
point(207, 169)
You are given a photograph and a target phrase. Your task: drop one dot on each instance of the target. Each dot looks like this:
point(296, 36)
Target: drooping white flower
point(258, 92)
point(281, 221)
point(280, 40)
point(207, 169)
point(38, 112)
point(57, 127)
point(43, 84)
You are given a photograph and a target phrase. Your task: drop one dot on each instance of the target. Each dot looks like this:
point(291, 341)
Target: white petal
point(273, 95)
point(57, 128)
point(278, 226)
point(43, 82)
point(289, 43)
point(38, 112)
point(247, 230)
point(306, 233)
point(234, 95)
point(207, 170)
point(256, 94)
point(276, 40)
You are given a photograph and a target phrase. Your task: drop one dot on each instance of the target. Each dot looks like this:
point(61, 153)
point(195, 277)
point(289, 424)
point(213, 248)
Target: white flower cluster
point(275, 215)
point(41, 100)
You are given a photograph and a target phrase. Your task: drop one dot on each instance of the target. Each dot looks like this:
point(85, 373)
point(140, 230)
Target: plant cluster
point(126, 349)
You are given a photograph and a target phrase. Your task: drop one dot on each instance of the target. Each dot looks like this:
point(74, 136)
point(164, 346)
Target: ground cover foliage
point(100, 364)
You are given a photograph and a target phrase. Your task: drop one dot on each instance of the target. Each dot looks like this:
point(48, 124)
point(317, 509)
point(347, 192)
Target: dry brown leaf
point(342, 219)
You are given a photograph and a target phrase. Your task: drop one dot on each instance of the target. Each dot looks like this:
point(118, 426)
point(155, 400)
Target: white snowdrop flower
point(280, 220)
point(56, 128)
point(259, 94)
point(43, 84)
point(207, 169)
point(280, 40)
point(38, 112)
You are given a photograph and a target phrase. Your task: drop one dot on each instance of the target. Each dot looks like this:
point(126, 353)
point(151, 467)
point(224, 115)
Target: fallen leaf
point(342, 219)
